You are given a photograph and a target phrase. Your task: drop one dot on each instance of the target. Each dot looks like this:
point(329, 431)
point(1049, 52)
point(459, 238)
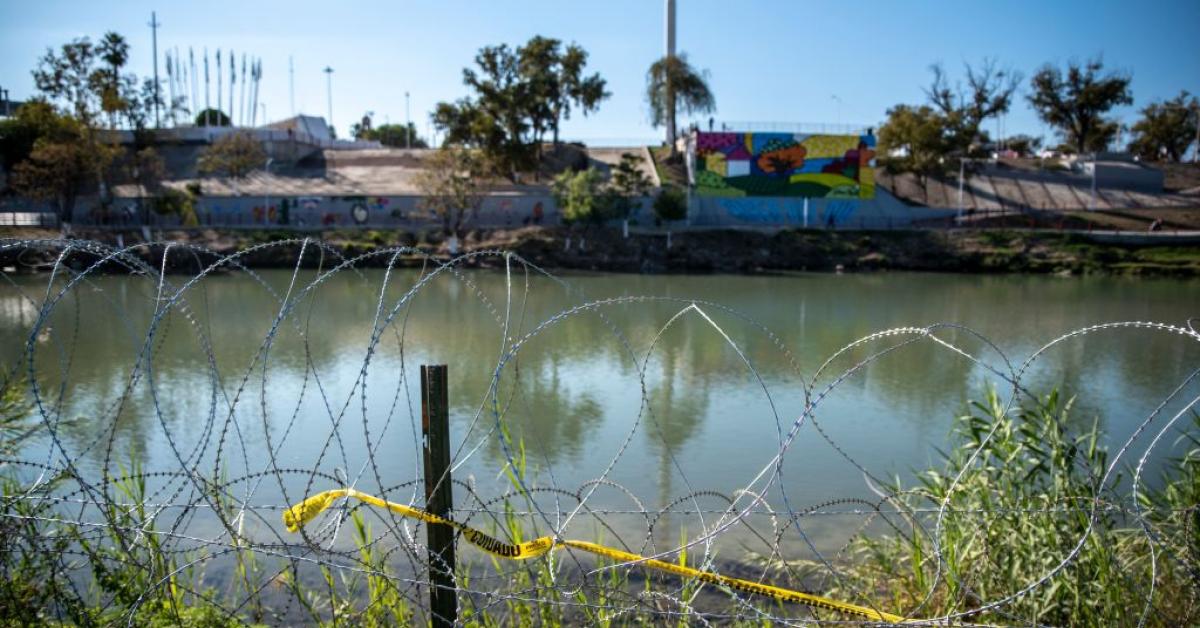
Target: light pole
point(329, 92)
point(838, 100)
point(407, 124)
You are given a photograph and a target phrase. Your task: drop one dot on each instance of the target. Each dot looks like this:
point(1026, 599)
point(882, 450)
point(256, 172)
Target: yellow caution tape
point(296, 516)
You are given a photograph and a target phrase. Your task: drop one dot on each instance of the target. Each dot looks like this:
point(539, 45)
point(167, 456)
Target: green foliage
point(518, 95)
point(1019, 489)
point(212, 117)
point(673, 86)
point(66, 160)
point(915, 136)
point(56, 154)
point(394, 135)
point(1024, 145)
point(580, 196)
point(628, 186)
point(1166, 129)
point(1076, 104)
point(671, 204)
point(233, 155)
point(172, 202)
point(88, 81)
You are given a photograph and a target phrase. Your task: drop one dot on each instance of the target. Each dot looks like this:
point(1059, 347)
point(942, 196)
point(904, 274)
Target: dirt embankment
point(717, 251)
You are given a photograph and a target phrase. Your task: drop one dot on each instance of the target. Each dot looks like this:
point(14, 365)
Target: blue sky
point(768, 61)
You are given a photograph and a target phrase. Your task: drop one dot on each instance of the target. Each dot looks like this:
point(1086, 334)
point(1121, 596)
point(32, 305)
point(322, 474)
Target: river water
point(677, 401)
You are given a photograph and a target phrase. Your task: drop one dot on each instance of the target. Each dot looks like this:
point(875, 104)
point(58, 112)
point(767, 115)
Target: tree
point(233, 155)
point(913, 140)
point(580, 197)
point(496, 120)
point(1075, 104)
point(107, 80)
point(61, 166)
point(1166, 128)
point(988, 93)
point(670, 204)
point(33, 120)
point(558, 82)
point(68, 77)
point(213, 117)
point(147, 168)
point(394, 135)
point(628, 185)
point(674, 87)
point(518, 96)
point(453, 184)
point(1023, 144)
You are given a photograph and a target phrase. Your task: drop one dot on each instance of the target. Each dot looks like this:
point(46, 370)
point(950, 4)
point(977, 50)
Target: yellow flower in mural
point(822, 146)
point(715, 162)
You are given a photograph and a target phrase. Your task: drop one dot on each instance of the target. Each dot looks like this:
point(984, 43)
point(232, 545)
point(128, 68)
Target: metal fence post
point(435, 427)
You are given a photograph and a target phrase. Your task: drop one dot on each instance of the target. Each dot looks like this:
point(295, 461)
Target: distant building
point(312, 126)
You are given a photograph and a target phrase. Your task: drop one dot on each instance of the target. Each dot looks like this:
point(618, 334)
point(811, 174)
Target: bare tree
point(988, 93)
point(453, 184)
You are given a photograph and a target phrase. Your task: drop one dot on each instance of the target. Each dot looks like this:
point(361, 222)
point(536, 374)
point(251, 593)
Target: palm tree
point(673, 86)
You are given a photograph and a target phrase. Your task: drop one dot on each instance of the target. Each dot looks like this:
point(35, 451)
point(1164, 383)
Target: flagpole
point(220, 82)
point(192, 74)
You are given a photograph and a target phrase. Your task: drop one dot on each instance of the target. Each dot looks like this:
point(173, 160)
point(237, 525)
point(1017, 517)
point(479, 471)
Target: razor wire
point(214, 498)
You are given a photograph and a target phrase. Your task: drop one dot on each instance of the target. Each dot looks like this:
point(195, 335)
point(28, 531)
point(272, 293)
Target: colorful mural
point(785, 164)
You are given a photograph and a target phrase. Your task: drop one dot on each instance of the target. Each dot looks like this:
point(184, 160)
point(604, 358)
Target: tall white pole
point(291, 86)
point(170, 87)
point(329, 92)
point(220, 81)
point(669, 35)
point(207, 106)
point(670, 27)
point(232, 83)
point(192, 74)
point(242, 94)
point(407, 124)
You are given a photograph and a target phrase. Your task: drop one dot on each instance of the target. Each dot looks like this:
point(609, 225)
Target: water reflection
point(574, 391)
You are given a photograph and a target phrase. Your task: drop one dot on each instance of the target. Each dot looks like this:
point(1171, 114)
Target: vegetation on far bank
point(646, 250)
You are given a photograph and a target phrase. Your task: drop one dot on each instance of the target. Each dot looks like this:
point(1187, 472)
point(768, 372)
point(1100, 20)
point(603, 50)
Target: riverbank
point(696, 251)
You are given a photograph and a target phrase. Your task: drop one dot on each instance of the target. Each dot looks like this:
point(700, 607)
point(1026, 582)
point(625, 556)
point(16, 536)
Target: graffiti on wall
point(785, 164)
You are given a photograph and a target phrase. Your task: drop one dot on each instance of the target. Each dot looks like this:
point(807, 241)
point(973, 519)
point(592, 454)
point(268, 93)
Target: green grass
point(1019, 508)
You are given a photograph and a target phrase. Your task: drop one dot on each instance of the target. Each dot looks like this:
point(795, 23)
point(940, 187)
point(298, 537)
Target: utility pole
point(154, 24)
point(329, 92)
point(407, 124)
